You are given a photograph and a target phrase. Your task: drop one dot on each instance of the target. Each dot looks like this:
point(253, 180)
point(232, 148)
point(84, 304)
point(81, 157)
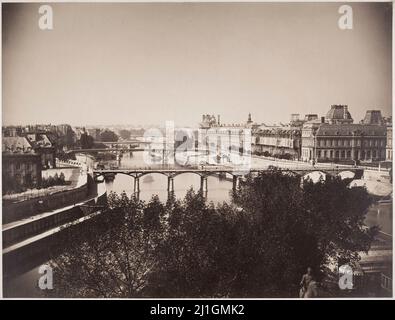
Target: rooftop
point(338, 112)
point(15, 145)
point(326, 129)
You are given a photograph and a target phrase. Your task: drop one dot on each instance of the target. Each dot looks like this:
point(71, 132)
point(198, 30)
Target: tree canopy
point(108, 136)
point(86, 141)
point(125, 134)
point(259, 245)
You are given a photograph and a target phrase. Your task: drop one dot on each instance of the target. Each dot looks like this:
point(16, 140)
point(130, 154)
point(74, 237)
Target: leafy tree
point(107, 257)
point(191, 256)
point(62, 177)
point(125, 134)
point(108, 136)
point(86, 141)
point(297, 227)
point(65, 137)
point(257, 246)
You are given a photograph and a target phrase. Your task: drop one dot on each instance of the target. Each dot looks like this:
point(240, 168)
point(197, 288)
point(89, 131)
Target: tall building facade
point(43, 145)
point(277, 141)
point(389, 142)
point(224, 139)
point(21, 164)
point(336, 138)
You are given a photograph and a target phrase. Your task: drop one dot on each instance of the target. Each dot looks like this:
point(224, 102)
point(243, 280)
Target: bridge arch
point(184, 172)
point(142, 174)
point(130, 174)
point(315, 176)
point(347, 174)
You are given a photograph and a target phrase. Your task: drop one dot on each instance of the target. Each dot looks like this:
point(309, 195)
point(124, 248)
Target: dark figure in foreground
point(308, 285)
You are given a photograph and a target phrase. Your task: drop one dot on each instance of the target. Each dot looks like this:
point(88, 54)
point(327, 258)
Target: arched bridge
point(105, 150)
point(205, 171)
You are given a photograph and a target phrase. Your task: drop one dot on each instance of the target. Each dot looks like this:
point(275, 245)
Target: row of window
point(235, 131)
point(25, 179)
point(347, 142)
point(23, 165)
point(273, 141)
point(306, 153)
point(346, 154)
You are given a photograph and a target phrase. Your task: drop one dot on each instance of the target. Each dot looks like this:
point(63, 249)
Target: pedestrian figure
point(308, 286)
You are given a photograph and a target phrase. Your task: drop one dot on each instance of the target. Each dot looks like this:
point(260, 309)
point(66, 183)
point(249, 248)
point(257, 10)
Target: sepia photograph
point(188, 150)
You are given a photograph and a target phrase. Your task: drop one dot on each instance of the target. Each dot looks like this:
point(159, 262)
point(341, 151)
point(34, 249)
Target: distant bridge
point(129, 142)
point(104, 150)
point(130, 149)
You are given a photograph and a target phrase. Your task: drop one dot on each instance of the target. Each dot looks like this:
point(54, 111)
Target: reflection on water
point(24, 285)
point(218, 190)
point(380, 214)
point(156, 184)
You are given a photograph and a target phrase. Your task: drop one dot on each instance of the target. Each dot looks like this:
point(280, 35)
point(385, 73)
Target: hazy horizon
point(145, 63)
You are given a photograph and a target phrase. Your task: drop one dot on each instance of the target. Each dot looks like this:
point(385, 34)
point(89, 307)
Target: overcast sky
point(147, 63)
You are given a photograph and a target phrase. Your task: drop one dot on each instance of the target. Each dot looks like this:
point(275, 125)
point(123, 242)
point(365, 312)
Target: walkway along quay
point(17, 208)
point(28, 242)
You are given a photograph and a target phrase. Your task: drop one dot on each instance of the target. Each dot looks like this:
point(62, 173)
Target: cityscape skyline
point(269, 60)
point(285, 121)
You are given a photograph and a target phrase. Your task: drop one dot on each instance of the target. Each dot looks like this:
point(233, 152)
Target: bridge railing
point(216, 169)
point(167, 167)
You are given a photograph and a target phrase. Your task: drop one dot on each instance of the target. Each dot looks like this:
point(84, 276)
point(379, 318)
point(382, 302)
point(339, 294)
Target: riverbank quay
point(31, 227)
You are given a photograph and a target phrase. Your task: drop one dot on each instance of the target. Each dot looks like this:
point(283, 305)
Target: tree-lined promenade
point(258, 245)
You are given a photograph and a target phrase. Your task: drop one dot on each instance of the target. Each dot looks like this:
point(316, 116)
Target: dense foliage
point(108, 136)
point(125, 134)
point(257, 246)
point(12, 186)
point(56, 180)
point(86, 141)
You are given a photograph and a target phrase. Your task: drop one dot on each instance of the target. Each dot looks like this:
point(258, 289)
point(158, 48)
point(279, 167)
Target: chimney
point(219, 122)
point(345, 111)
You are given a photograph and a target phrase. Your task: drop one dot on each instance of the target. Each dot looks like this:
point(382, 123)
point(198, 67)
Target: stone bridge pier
point(170, 185)
point(136, 186)
point(203, 185)
point(235, 183)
